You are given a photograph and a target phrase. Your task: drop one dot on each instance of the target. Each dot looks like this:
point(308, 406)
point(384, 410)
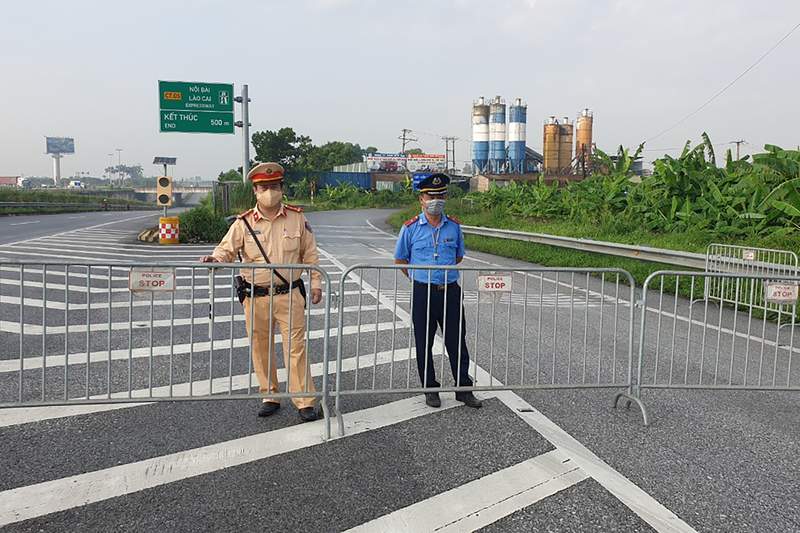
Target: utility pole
point(450, 149)
point(244, 99)
point(119, 164)
point(406, 138)
point(738, 143)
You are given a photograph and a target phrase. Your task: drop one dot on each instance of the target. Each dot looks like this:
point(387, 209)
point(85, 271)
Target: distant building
point(10, 181)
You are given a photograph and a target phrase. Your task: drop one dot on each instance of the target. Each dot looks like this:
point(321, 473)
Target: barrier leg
point(632, 397)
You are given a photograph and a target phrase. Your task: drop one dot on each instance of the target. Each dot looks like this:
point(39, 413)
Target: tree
point(331, 154)
point(283, 146)
point(133, 173)
point(230, 175)
point(297, 152)
point(414, 151)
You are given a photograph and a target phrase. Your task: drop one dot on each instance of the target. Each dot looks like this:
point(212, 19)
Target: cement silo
point(497, 135)
point(551, 145)
point(565, 146)
point(480, 135)
point(517, 119)
point(583, 142)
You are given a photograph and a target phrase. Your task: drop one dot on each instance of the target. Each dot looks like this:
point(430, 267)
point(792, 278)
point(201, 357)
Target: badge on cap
point(437, 180)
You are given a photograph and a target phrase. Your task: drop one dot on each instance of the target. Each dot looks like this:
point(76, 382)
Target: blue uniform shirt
point(421, 244)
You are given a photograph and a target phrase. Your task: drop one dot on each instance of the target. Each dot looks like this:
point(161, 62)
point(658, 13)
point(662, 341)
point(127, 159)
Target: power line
point(406, 138)
point(718, 93)
point(449, 150)
point(738, 143)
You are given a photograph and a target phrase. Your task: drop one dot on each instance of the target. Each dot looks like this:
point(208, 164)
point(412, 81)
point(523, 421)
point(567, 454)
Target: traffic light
point(164, 191)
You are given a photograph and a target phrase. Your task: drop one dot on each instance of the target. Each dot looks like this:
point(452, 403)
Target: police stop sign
point(780, 292)
point(151, 280)
point(495, 282)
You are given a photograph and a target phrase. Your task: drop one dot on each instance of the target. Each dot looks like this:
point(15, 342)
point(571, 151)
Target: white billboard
point(386, 162)
point(399, 162)
point(426, 162)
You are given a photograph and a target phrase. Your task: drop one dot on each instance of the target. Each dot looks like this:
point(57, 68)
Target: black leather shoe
point(268, 409)
point(308, 414)
point(468, 399)
point(432, 399)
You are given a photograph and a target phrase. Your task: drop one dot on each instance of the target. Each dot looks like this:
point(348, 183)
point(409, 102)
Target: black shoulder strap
point(261, 249)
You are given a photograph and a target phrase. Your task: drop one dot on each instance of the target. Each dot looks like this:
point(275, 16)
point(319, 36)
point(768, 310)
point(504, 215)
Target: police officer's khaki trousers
point(294, 354)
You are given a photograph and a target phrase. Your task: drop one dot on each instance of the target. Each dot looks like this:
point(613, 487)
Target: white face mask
point(434, 207)
point(269, 197)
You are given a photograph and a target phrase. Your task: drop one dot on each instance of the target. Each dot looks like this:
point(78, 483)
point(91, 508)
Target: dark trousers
point(454, 341)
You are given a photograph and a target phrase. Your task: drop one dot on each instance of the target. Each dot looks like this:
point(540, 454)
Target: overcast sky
point(360, 71)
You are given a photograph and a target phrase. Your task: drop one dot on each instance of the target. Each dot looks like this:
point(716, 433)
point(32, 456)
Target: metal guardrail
point(644, 253)
point(119, 343)
point(575, 324)
point(65, 205)
point(685, 344)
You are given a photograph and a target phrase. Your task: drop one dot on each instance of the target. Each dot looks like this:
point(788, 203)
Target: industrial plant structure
point(499, 147)
point(517, 119)
point(500, 154)
point(558, 145)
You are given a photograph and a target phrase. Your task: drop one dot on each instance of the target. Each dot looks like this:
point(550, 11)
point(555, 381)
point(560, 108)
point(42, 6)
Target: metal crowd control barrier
point(140, 329)
point(572, 328)
point(684, 344)
point(731, 259)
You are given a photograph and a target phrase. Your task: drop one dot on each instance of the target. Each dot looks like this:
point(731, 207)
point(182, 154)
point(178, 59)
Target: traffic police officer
point(286, 238)
point(433, 238)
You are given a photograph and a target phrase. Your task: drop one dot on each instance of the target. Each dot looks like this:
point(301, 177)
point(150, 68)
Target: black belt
point(435, 287)
point(274, 289)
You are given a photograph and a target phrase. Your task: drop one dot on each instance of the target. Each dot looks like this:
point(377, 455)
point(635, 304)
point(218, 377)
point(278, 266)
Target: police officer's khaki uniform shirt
point(287, 239)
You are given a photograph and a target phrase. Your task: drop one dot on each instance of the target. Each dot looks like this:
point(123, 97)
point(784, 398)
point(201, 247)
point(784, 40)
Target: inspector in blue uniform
point(433, 238)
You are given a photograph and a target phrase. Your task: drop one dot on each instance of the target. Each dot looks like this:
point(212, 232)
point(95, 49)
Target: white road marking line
point(9, 326)
point(116, 304)
point(100, 246)
point(33, 362)
point(86, 228)
point(84, 258)
point(636, 499)
point(371, 225)
point(81, 289)
point(32, 501)
point(24, 415)
point(24, 223)
point(483, 501)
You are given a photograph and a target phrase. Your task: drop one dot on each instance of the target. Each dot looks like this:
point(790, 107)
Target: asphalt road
point(543, 460)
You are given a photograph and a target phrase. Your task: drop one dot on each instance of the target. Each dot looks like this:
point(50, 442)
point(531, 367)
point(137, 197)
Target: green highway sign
point(195, 107)
point(196, 121)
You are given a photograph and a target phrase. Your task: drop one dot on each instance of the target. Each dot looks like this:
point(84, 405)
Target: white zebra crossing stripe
point(483, 501)
point(36, 329)
point(36, 361)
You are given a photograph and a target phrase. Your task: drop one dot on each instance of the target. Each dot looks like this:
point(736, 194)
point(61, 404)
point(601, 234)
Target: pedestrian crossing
point(481, 499)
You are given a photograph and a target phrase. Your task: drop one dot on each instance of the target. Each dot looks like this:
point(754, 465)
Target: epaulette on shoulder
point(242, 215)
point(411, 221)
point(454, 219)
point(294, 208)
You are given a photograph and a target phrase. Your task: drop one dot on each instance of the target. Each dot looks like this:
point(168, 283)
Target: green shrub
point(201, 224)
